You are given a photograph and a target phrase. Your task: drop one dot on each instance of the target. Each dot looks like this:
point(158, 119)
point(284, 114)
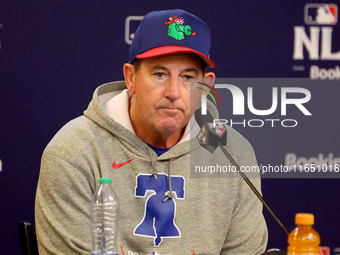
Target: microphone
point(212, 136)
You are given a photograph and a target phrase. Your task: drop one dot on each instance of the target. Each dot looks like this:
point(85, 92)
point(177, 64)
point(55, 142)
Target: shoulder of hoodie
point(237, 142)
point(236, 136)
point(74, 137)
point(81, 132)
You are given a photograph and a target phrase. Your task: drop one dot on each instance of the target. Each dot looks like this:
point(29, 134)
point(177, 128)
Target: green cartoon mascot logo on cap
point(177, 29)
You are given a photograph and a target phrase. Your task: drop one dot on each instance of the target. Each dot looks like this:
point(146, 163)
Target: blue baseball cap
point(171, 31)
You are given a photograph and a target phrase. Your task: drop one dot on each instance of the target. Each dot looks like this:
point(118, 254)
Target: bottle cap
point(105, 180)
point(304, 219)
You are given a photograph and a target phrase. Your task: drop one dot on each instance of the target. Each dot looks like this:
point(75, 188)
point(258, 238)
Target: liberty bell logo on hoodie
point(159, 215)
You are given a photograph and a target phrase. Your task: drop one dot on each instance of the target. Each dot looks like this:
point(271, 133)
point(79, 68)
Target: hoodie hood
point(109, 109)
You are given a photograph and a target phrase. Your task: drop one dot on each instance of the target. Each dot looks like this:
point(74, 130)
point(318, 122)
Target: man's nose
point(172, 89)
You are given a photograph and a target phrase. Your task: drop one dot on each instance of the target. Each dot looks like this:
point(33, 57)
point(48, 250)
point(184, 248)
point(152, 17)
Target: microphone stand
point(252, 187)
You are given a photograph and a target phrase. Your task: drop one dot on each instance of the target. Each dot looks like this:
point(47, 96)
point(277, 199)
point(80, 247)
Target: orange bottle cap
point(304, 219)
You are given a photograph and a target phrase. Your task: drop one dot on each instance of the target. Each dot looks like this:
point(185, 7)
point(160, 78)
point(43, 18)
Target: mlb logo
point(156, 253)
point(217, 128)
point(202, 136)
point(321, 14)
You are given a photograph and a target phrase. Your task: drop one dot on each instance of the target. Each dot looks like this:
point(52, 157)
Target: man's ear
point(129, 76)
point(209, 78)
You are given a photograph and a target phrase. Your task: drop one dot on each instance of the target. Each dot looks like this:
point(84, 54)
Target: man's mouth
point(170, 111)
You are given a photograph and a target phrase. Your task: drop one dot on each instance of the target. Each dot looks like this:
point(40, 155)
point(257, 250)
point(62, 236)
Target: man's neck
point(157, 139)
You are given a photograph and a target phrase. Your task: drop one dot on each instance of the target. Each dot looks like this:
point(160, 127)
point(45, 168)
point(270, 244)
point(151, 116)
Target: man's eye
point(188, 77)
point(159, 75)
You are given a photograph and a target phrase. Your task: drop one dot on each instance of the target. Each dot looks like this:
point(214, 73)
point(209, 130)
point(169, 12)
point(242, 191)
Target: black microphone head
point(211, 134)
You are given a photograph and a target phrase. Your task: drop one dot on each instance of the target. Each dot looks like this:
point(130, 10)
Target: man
point(138, 133)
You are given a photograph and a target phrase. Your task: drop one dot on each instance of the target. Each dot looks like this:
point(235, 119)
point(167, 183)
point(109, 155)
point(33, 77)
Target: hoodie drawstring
point(169, 193)
point(154, 171)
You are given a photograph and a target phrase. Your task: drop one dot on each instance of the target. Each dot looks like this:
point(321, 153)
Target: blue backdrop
point(53, 54)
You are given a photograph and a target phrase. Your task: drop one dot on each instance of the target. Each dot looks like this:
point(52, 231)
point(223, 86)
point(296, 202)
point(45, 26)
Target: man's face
point(160, 103)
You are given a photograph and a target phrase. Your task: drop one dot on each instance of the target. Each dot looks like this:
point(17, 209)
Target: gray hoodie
point(208, 214)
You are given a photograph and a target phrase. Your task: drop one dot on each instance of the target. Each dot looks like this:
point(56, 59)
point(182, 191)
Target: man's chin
point(170, 126)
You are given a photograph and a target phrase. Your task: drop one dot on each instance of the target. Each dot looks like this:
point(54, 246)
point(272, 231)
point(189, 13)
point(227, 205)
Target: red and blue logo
point(209, 93)
point(321, 14)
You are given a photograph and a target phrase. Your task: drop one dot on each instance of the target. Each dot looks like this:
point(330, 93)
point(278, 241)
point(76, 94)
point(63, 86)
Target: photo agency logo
point(206, 88)
point(314, 41)
point(277, 104)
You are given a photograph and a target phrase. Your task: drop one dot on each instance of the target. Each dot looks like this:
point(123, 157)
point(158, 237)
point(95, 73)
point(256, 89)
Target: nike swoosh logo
point(116, 166)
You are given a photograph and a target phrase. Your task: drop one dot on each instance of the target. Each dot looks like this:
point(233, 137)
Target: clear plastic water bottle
point(104, 219)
